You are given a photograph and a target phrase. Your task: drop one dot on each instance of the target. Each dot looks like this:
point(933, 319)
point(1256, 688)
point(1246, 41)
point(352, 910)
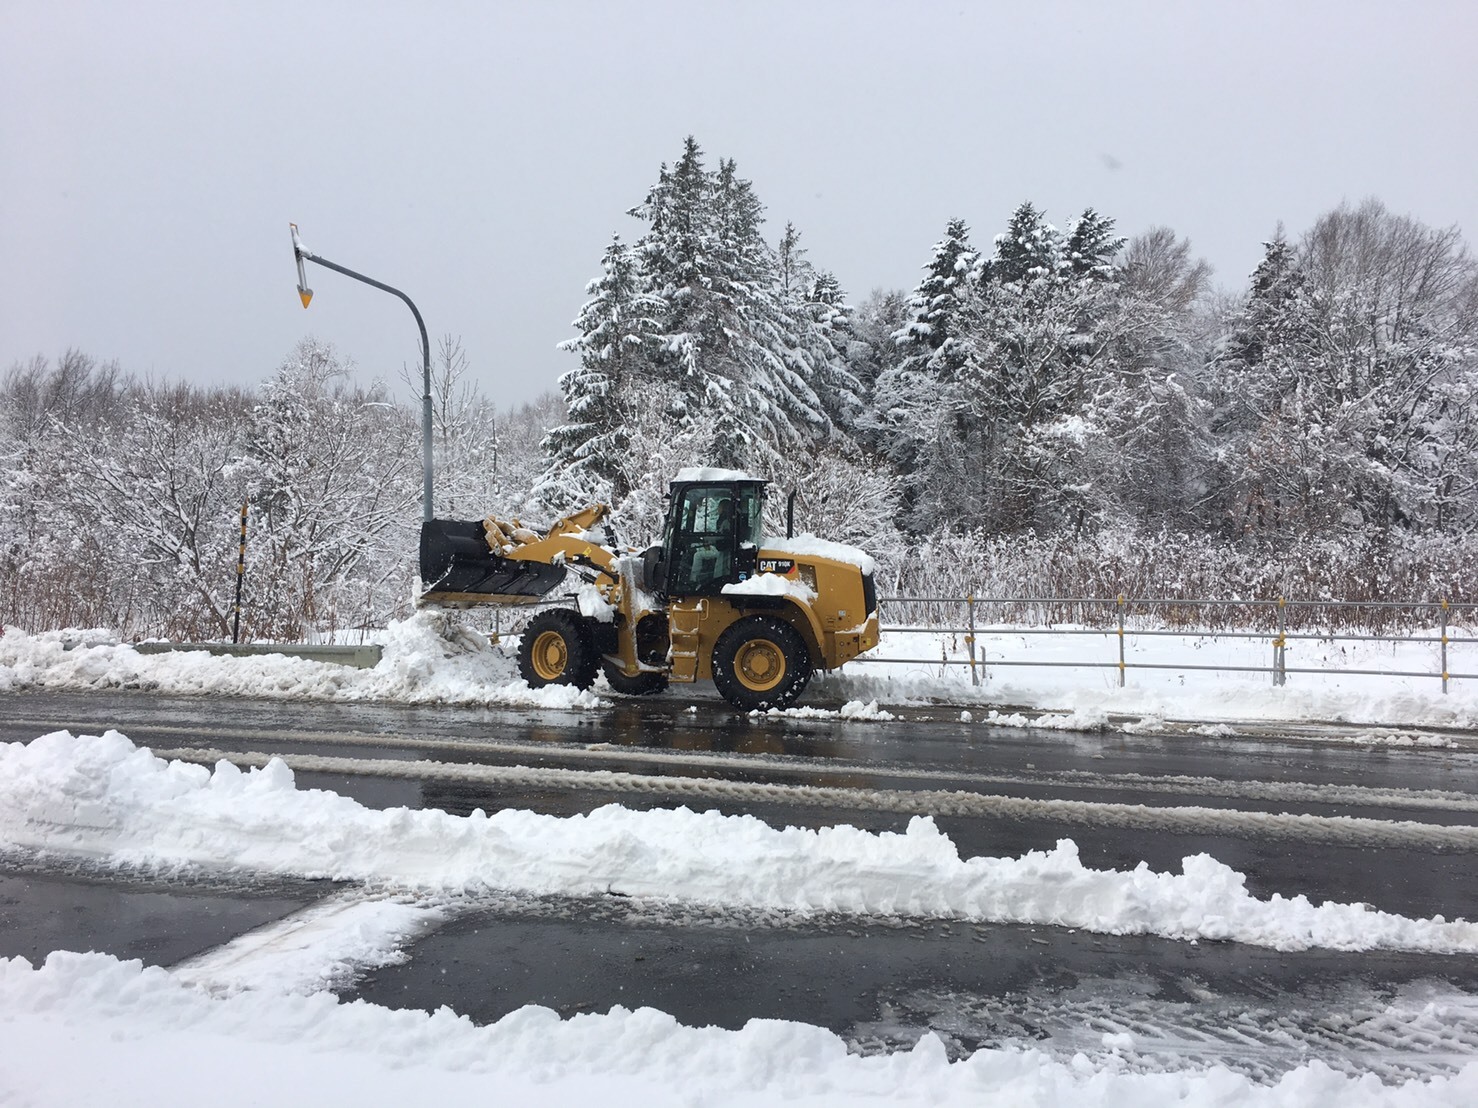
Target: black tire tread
point(783, 635)
point(643, 684)
point(579, 642)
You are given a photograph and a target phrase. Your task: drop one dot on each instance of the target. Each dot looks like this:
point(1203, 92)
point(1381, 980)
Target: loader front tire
point(557, 649)
point(643, 684)
point(761, 662)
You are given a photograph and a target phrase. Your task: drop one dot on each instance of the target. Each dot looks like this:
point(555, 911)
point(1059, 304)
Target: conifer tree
point(724, 337)
point(618, 328)
point(1029, 251)
point(904, 421)
point(1091, 246)
point(935, 306)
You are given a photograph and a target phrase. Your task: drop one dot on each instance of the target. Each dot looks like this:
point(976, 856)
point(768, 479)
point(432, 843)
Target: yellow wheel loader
point(714, 599)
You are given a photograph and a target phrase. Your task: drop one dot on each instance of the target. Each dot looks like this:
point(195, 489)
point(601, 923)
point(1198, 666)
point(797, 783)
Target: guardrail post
point(970, 636)
point(1444, 645)
point(1121, 640)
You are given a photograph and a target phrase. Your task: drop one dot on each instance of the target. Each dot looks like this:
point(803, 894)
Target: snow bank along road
point(1386, 825)
point(1296, 900)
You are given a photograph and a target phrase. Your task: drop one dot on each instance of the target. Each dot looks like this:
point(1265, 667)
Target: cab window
point(712, 525)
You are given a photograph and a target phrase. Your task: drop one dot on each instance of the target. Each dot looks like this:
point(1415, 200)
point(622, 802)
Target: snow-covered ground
point(433, 658)
point(1029, 670)
point(84, 1028)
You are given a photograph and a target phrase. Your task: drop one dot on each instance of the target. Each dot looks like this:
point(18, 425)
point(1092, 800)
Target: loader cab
point(711, 539)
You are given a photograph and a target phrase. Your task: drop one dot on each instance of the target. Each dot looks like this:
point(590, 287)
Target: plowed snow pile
point(156, 1037)
point(428, 658)
point(104, 797)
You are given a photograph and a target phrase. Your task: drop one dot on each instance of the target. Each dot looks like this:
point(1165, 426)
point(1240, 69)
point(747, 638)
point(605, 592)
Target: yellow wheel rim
point(550, 655)
point(759, 665)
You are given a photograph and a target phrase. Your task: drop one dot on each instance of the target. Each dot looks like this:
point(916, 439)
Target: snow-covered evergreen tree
point(727, 334)
point(1006, 417)
point(1091, 246)
point(906, 421)
point(817, 339)
point(932, 334)
point(588, 455)
point(1029, 252)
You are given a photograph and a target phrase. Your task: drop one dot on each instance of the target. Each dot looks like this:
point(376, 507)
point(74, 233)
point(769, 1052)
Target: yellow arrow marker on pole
point(304, 292)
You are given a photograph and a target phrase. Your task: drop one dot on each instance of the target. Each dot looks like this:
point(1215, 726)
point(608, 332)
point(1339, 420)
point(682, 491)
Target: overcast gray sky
point(480, 155)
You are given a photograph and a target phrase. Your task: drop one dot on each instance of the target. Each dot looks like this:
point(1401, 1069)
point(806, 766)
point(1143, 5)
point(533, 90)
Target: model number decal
point(777, 565)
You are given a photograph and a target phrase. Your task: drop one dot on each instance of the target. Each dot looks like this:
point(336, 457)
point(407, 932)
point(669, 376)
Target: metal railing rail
point(1121, 628)
point(1278, 636)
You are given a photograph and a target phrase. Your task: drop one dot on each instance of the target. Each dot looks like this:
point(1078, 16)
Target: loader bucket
point(458, 570)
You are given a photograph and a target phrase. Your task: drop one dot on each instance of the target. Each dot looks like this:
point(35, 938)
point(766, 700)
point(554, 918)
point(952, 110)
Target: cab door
point(701, 546)
point(712, 537)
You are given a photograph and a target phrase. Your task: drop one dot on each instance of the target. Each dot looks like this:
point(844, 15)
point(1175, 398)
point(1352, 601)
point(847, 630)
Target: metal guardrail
point(1120, 608)
point(1277, 637)
point(359, 657)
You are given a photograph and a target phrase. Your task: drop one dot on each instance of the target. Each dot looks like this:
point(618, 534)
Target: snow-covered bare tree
point(840, 495)
point(163, 490)
point(334, 479)
point(1343, 383)
point(464, 432)
point(51, 561)
point(522, 460)
point(872, 349)
point(1397, 324)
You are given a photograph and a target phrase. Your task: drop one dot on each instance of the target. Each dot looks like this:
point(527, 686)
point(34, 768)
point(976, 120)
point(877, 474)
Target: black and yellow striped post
point(1280, 645)
point(240, 575)
point(1444, 645)
point(1121, 640)
point(970, 638)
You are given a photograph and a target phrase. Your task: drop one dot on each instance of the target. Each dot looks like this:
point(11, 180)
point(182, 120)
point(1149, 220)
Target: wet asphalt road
point(881, 984)
point(156, 921)
point(878, 983)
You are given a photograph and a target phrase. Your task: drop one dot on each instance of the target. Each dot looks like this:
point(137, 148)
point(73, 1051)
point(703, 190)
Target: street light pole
point(301, 254)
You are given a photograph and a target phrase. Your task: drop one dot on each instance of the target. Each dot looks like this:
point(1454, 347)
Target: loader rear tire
point(643, 684)
point(557, 649)
point(761, 662)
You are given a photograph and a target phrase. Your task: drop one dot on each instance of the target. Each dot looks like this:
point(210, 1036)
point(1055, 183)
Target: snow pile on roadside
point(151, 1040)
point(1074, 721)
point(427, 658)
point(851, 710)
point(1386, 737)
point(107, 798)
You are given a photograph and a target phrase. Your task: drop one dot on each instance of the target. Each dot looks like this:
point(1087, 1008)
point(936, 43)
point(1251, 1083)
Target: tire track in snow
point(1426, 1028)
point(1333, 830)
